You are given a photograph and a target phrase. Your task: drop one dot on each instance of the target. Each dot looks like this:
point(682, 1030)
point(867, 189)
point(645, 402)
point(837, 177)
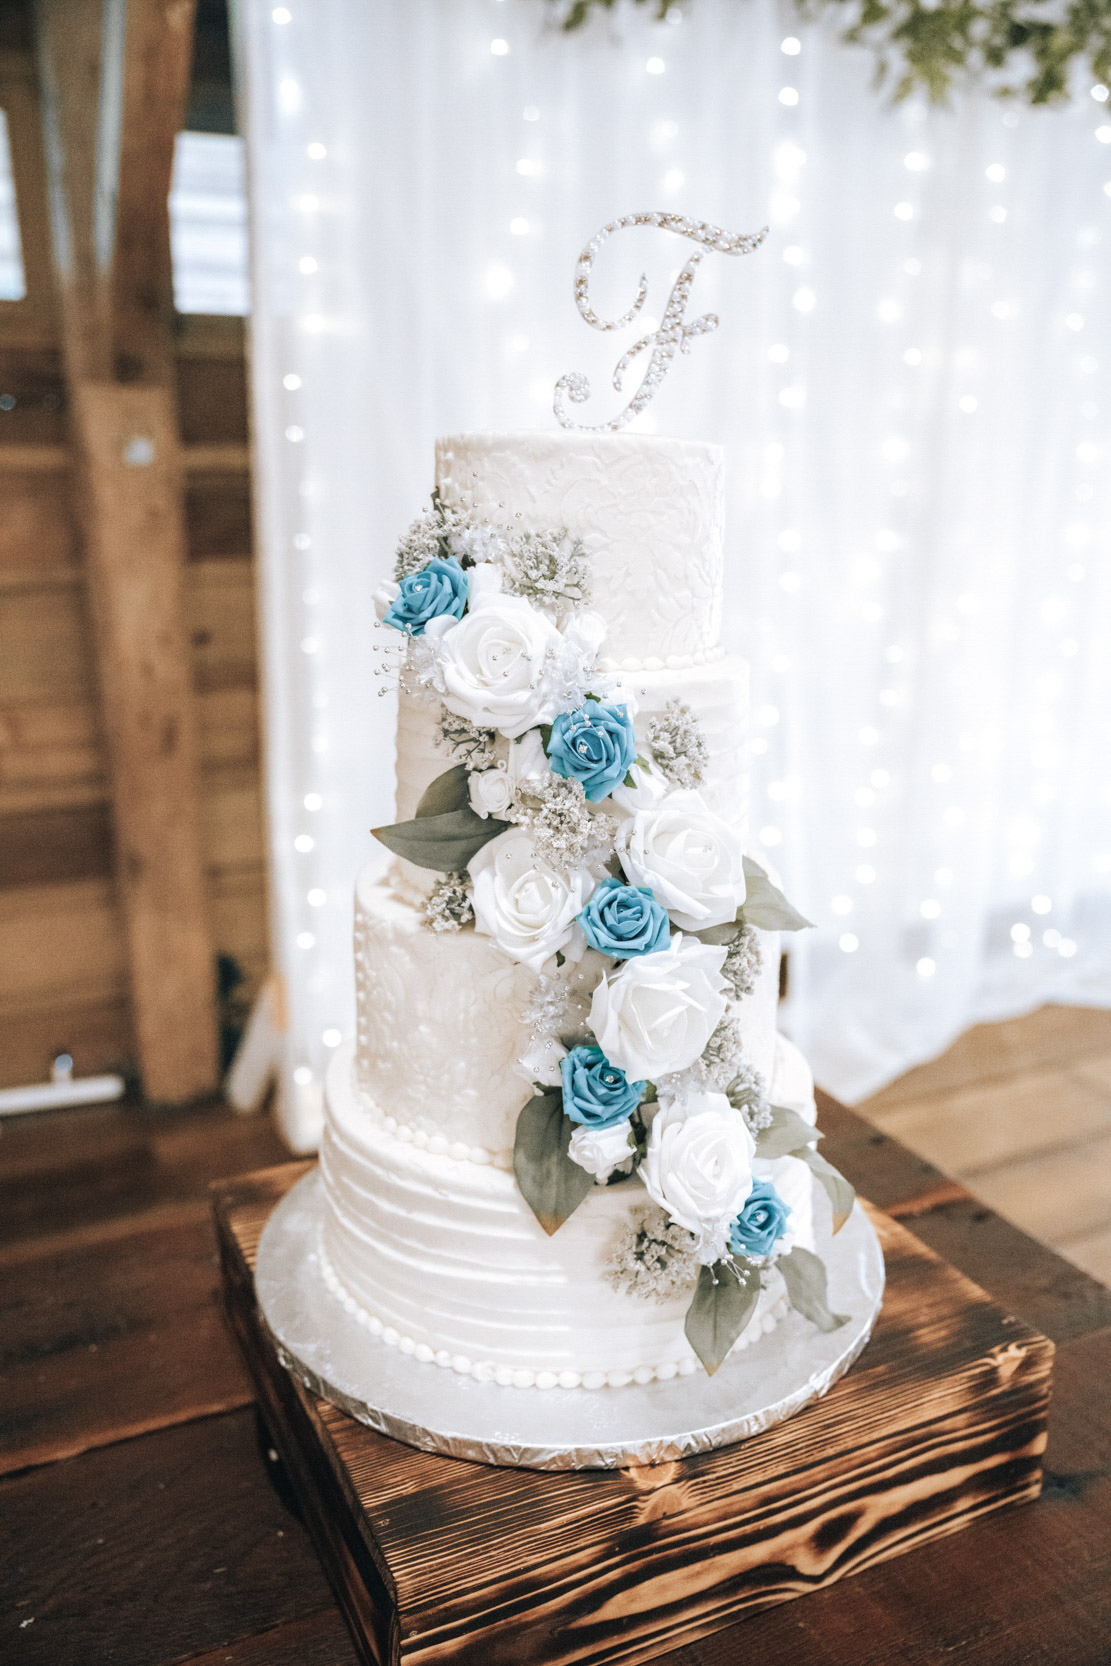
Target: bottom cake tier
point(442, 1257)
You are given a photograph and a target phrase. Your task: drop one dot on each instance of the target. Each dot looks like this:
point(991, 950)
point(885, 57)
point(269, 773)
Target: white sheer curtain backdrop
point(910, 380)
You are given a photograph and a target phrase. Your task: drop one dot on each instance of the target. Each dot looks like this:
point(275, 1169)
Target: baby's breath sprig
point(566, 832)
point(448, 905)
point(653, 1258)
point(675, 739)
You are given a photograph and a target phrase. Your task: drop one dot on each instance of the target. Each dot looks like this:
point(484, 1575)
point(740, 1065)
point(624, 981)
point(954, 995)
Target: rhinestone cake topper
point(673, 334)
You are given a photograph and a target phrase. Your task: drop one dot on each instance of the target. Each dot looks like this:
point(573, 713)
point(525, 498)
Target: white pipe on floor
point(63, 1089)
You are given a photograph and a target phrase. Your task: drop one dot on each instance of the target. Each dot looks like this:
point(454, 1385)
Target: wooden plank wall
point(63, 958)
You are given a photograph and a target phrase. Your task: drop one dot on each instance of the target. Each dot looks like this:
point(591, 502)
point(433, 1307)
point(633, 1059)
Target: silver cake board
point(437, 1410)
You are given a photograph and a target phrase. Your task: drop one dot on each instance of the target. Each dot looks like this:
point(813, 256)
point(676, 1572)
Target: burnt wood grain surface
point(941, 1421)
point(1022, 1586)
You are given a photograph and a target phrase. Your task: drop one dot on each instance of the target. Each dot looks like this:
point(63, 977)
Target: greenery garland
point(1021, 48)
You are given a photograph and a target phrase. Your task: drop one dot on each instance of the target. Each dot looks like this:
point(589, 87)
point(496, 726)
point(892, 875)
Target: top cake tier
point(648, 510)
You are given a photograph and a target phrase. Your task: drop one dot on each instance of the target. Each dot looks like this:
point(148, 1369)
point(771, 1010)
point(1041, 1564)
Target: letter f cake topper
point(673, 334)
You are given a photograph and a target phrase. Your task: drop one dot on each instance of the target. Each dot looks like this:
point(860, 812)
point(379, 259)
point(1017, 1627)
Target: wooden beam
point(114, 81)
point(135, 554)
point(30, 322)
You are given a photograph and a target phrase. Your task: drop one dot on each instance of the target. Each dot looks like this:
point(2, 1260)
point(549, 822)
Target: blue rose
point(596, 745)
point(595, 1092)
point(439, 589)
point(623, 920)
point(762, 1220)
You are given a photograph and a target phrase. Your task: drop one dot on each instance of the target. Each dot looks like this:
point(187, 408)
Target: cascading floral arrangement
point(582, 846)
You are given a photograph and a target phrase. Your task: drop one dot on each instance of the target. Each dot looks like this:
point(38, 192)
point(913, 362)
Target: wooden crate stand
point(436, 1560)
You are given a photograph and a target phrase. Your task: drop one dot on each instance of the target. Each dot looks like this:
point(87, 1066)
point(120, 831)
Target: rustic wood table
point(143, 1520)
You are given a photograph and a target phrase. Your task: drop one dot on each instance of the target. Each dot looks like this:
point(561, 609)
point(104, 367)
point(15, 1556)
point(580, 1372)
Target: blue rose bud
point(439, 589)
point(595, 1092)
point(762, 1220)
point(623, 920)
point(596, 745)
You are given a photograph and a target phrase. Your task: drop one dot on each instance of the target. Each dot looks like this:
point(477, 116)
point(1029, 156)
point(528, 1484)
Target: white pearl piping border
point(438, 1144)
point(673, 662)
point(505, 1376)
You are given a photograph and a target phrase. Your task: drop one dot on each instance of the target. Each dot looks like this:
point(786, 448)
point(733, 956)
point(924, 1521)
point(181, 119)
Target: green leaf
point(717, 936)
point(628, 781)
point(445, 842)
point(723, 1304)
point(787, 1135)
point(449, 791)
point(804, 1274)
point(551, 1184)
point(765, 905)
point(841, 1194)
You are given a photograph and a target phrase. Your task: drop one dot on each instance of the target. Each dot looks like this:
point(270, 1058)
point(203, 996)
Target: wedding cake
point(568, 1148)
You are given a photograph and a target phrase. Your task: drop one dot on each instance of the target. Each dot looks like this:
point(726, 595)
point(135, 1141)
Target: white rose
point(490, 792)
point(541, 1062)
point(698, 1167)
point(691, 859)
point(526, 907)
point(527, 759)
point(602, 1150)
point(384, 597)
point(493, 664)
point(648, 788)
point(655, 1014)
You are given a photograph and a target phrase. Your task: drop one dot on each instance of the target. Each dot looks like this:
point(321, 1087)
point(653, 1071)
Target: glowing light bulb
point(306, 264)
point(792, 46)
point(499, 47)
point(912, 356)
point(499, 281)
point(926, 967)
point(848, 943)
point(291, 381)
point(294, 434)
point(304, 842)
point(779, 354)
point(929, 908)
point(865, 874)
point(518, 226)
point(1074, 321)
point(904, 211)
point(788, 96)
point(316, 898)
point(306, 940)
point(655, 66)
point(917, 161)
point(803, 300)
point(313, 801)
point(842, 905)
point(1041, 904)
point(968, 403)
point(302, 1076)
point(316, 152)
point(526, 167)
point(281, 14)
point(996, 172)
point(530, 113)
point(1099, 93)
point(331, 1038)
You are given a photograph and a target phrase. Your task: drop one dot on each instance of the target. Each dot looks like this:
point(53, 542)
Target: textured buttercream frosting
point(649, 513)
point(445, 1257)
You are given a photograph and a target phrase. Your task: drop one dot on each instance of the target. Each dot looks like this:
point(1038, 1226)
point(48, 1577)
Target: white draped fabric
point(910, 379)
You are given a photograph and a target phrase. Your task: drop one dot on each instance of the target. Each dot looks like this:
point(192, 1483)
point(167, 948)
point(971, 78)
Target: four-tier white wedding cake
point(568, 1147)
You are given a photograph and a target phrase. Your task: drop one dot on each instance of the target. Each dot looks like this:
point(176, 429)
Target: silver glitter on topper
point(673, 334)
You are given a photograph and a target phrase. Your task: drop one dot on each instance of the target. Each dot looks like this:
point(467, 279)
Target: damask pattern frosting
point(648, 511)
